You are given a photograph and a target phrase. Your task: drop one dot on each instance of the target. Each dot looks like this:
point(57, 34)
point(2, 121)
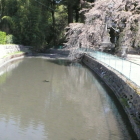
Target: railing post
point(109, 59)
point(130, 71)
point(122, 65)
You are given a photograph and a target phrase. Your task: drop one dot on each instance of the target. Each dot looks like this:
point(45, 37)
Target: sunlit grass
point(14, 53)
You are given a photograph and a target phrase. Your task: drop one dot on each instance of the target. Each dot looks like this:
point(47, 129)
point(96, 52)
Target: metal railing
point(127, 68)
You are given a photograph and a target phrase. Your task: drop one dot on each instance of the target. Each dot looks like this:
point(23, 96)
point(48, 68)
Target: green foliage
point(27, 20)
point(35, 23)
point(124, 102)
point(10, 39)
point(61, 22)
point(7, 19)
point(2, 37)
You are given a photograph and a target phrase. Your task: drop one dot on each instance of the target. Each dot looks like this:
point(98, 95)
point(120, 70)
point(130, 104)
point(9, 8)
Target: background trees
point(38, 23)
point(27, 20)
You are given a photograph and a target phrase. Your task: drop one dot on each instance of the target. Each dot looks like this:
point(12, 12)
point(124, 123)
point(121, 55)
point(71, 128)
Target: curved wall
point(122, 88)
point(11, 48)
point(10, 51)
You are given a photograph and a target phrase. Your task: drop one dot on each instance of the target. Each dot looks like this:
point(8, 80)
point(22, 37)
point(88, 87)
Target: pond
point(44, 99)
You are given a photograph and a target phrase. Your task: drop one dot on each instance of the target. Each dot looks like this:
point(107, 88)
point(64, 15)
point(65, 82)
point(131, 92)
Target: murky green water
point(71, 105)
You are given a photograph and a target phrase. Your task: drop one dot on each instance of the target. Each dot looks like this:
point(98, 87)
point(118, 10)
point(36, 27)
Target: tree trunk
point(76, 15)
point(82, 5)
point(53, 20)
point(70, 13)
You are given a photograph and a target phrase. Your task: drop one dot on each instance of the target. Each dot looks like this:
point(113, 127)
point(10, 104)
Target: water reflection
point(7, 69)
point(71, 106)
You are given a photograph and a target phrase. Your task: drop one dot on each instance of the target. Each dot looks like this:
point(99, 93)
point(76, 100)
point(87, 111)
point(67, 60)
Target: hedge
point(2, 37)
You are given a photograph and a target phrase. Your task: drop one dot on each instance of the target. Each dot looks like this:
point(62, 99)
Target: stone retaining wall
point(127, 95)
point(11, 48)
point(9, 52)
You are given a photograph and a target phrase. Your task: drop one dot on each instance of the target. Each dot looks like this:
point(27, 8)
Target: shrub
point(2, 37)
point(10, 39)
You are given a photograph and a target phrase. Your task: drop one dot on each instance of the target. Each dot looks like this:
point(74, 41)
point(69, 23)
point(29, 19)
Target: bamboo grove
point(38, 23)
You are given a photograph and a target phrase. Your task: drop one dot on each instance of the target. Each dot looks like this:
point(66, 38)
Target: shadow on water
point(48, 55)
point(62, 62)
point(117, 104)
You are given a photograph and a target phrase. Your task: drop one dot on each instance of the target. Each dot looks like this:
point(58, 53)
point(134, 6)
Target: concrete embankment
point(126, 94)
point(10, 52)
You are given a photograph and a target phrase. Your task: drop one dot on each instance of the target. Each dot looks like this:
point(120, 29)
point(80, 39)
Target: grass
point(124, 102)
point(14, 53)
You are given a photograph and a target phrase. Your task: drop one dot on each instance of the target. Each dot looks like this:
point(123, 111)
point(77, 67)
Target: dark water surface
point(56, 100)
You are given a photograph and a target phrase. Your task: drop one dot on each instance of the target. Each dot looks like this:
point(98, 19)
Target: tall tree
point(73, 8)
point(71, 5)
point(28, 20)
point(38, 22)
